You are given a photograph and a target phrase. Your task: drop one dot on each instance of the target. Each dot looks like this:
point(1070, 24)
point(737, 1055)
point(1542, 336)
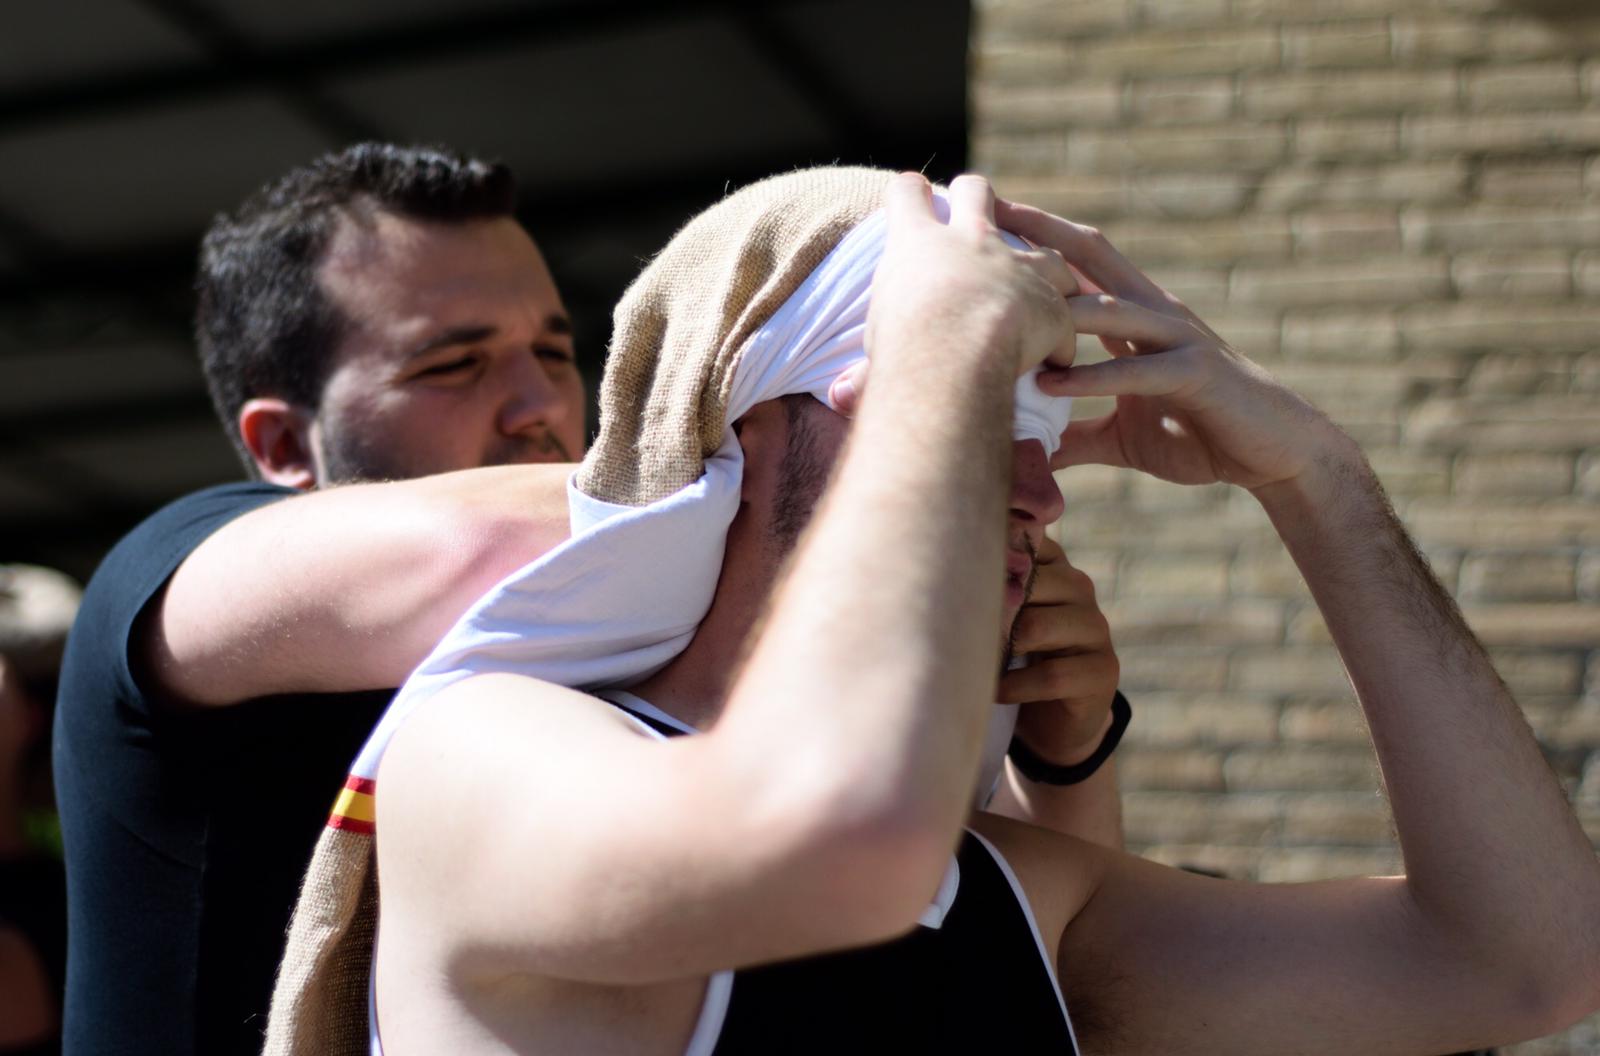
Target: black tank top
point(978, 980)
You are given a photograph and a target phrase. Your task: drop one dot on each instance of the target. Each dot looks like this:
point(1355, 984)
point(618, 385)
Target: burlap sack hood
point(678, 334)
point(680, 328)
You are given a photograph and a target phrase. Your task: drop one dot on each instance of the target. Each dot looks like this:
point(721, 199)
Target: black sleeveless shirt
point(974, 977)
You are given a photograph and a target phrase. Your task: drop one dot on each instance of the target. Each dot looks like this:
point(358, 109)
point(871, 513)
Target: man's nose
point(1034, 494)
point(531, 401)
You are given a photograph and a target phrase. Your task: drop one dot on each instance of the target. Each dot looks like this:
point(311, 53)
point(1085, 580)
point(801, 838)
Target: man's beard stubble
point(347, 459)
point(802, 478)
point(517, 450)
point(1008, 647)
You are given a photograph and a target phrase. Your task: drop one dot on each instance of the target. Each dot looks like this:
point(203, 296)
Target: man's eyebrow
point(556, 323)
point(455, 335)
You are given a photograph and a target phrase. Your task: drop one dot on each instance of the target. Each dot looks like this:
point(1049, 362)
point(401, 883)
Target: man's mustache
point(518, 449)
point(1008, 650)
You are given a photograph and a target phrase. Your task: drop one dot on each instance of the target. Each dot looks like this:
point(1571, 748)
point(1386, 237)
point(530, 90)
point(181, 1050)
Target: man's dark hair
point(262, 321)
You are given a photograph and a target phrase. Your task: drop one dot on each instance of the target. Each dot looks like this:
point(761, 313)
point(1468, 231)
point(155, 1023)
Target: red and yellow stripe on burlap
point(354, 810)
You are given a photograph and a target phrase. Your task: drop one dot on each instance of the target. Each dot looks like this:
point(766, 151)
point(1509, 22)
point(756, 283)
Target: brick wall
point(1395, 206)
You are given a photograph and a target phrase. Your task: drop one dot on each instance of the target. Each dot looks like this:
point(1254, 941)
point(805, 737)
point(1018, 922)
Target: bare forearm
point(344, 589)
point(875, 699)
point(1089, 810)
point(856, 652)
point(1489, 843)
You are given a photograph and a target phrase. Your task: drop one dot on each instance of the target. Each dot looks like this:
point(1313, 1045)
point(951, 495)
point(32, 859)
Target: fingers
point(1051, 628)
point(1090, 442)
point(1085, 285)
point(908, 199)
point(971, 204)
point(1052, 267)
point(845, 392)
point(1085, 247)
point(1056, 581)
point(1120, 324)
point(1081, 677)
point(1087, 250)
point(1117, 347)
point(1061, 613)
point(1161, 374)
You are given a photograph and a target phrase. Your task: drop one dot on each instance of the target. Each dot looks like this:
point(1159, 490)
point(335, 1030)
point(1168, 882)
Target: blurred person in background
point(376, 320)
point(374, 316)
point(36, 609)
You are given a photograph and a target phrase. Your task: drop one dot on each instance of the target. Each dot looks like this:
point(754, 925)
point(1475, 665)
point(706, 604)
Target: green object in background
point(42, 831)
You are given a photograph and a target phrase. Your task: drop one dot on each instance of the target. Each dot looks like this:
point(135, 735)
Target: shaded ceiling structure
point(126, 124)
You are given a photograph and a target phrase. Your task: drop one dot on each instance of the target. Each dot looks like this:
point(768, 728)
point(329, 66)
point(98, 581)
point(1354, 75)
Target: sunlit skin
point(695, 686)
point(457, 353)
point(1035, 503)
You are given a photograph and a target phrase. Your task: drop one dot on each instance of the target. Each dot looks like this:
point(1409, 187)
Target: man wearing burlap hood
point(749, 849)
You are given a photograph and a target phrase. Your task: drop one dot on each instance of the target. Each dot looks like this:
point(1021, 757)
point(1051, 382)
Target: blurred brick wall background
point(1394, 205)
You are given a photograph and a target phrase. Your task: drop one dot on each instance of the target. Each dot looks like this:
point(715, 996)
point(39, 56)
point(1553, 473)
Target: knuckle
point(1193, 360)
point(1055, 677)
point(1026, 630)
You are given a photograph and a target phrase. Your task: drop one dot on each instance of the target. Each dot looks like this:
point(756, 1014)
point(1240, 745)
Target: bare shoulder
point(480, 795)
point(1059, 873)
point(1157, 960)
point(474, 743)
point(471, 715)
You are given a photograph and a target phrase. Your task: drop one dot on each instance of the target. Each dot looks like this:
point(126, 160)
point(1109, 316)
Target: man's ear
point(278, 436)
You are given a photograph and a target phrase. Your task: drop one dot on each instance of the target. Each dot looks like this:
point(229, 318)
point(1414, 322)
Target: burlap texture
point(319, 1002)
point(679, 329)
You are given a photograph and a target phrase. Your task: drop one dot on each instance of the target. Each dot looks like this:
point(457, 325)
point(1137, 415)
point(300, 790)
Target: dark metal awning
point(126, 124)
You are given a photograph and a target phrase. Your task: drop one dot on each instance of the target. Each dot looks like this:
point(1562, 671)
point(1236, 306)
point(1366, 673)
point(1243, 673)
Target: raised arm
point(1493, 934)
point(342, 589)
point(821, 809)
point(1065, 691)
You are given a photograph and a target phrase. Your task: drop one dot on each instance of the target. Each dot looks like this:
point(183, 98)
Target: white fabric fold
point(623, 596)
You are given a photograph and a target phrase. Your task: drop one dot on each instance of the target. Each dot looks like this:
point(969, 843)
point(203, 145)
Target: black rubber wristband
point(1034, 767)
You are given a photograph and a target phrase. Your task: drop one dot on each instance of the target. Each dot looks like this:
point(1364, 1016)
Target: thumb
point(845, 392)
point(1090, 442)
point(907, 199)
